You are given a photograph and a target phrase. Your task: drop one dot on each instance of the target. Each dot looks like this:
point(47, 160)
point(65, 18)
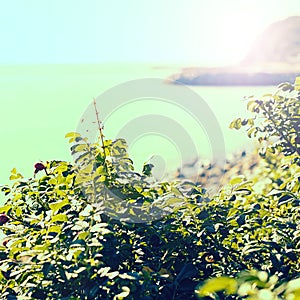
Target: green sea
point(41, 103)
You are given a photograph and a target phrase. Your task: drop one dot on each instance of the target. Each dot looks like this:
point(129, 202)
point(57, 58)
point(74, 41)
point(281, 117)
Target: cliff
point(273, 58)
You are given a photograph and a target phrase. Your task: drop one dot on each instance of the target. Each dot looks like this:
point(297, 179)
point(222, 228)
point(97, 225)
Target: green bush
point(91, 230)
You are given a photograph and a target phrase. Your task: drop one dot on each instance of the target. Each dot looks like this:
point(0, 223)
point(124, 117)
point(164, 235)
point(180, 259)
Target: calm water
point(40, 104)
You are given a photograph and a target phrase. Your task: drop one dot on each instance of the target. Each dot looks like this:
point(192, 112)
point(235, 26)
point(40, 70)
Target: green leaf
point(124, 294)
point(100, 228)
point(14, 175)
point(46, 268)
point(237, 180)
point(226, 284)
point(5, 208)
point(147, 168)
point(18, 212)
point(6, 190)
point(173, 202)
point(58, 205)
point(80, 148)
point(72, 136)
point(188, 271)
point(252, 105)
point(236, 124)
point(59, 218)
point(293, 285)
point(55, 228)
point(252, 132)
point(82, 235)
point(127, 276)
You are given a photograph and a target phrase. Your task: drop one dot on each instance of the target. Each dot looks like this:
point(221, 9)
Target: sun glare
point(238, 29)
point(237, 34)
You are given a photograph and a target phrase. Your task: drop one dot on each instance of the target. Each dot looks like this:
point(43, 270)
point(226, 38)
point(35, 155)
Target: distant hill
point(273, 58)
point(278, 44)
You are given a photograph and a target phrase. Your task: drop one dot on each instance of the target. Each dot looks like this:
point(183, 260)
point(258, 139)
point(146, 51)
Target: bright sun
point(238, 29)
point(237, 35)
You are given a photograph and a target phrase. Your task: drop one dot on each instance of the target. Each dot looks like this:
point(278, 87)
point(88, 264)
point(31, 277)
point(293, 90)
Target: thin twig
point(100, 127)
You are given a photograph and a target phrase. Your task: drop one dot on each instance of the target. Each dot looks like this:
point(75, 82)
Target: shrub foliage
point(66, 237)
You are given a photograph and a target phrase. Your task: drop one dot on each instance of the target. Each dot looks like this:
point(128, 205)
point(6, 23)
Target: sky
point(161, 31)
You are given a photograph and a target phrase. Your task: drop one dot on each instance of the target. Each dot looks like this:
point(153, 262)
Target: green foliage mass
point(90, 230)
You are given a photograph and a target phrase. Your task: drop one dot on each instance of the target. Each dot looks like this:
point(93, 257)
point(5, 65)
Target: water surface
point(41, 103)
